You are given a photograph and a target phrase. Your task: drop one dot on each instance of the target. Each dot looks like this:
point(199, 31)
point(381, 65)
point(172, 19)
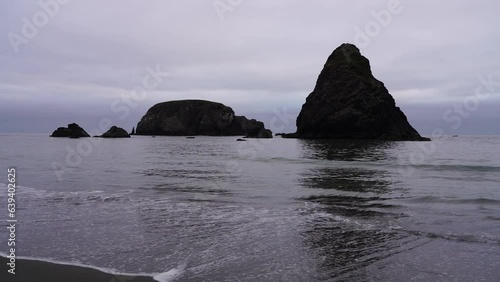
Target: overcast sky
point(72, 61)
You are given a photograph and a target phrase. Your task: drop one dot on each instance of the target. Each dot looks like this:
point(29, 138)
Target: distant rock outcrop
point(72, 131)
point(116, 132)
point(260, 133)
point(349, 103)
point(198, 117)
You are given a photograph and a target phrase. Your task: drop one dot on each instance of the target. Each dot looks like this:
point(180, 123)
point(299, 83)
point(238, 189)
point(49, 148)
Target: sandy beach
point(40, 271)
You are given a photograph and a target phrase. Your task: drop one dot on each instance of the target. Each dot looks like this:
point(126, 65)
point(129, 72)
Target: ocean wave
point(483, 238)
point(170, 275)
point(441, 200)
point(68, 196)
point(457, 167)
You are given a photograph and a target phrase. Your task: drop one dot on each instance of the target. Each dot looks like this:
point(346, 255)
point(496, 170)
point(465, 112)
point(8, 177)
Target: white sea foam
point(170, 275)
point(88, 195)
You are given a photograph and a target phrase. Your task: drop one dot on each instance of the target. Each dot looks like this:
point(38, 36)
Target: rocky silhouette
point(116, 132)
point(260, 132)
point(348, 102)
point(72, 131)
point(198, 117)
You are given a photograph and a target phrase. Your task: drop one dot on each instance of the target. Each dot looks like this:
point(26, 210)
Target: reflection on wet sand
point(348, 219)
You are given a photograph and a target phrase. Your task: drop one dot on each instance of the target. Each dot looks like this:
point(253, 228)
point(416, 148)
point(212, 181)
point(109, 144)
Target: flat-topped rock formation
point(198, 117)
point(348, 102)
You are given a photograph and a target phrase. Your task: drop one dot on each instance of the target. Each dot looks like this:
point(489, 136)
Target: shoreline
point(39, 270)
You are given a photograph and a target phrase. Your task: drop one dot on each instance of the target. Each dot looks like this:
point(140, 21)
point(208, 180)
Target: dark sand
point(40, 271)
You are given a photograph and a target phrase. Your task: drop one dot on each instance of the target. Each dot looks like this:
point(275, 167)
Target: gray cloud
point(264, 55)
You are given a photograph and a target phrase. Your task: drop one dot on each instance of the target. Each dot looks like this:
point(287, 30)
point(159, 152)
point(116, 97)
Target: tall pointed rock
point(349, 103)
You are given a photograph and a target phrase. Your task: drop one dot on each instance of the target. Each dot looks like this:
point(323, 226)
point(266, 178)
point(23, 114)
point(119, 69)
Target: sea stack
point(72, 131)
point(198, 117)
point(348, 102)
point(116, 132)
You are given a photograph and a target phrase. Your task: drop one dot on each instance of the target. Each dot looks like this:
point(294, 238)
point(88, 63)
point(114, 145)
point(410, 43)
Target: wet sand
point(40, 271)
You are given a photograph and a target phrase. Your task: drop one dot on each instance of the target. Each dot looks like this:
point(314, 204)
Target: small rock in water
point(72, 131)
point(116, 132)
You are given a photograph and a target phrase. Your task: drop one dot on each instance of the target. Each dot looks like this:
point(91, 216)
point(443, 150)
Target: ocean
point(213, 209)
